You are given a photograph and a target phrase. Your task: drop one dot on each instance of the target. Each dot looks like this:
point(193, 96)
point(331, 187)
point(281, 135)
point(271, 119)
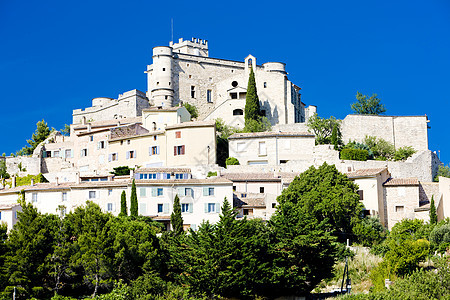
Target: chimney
point(89, 127)
point(78, 179)
point(13, 182)
point(32, 181)
point(131, 174)
point(56, 180)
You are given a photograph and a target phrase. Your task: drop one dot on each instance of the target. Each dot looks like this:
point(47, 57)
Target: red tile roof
point(401, 182)
point(365, 172)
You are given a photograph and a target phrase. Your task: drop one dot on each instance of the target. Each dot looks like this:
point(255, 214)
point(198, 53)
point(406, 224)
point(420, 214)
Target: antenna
point(172, 27)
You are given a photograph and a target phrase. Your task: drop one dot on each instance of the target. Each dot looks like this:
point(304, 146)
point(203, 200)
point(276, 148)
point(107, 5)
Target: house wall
point(48, 201)
point(444, 203)
point(9, 216)
point(406, 196)
point(270, 187)
point(103, 195)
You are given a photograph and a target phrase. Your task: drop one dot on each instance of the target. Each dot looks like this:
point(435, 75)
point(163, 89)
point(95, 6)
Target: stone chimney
point(78, 179)
point(13, 182)
point(57, 180)
point(131, 174)
point(89, 127)
point(32, 181)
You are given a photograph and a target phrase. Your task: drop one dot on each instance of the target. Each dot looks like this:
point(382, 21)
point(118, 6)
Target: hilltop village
point(170, 153)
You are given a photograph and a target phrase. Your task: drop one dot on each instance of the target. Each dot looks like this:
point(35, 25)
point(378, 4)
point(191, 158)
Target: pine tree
point(175, 218)
point(41, 133)
point(252, 109)
point(133, 201)
point(123, 205)
point(433, 215)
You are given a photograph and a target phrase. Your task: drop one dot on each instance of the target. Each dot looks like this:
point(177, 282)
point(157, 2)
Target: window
point(68, 153)
point(155, 137)
point(113, 157)
point(399, 209)
point(154, 150)
point(240, 147)
point(274, 205)
point(265, 84)
point(142, 208)
point(64, 196)
point(143, 192)
point(233, 95)
point(121, 143)
point(234, 188)
point(192, 91)
point(208, 191)
point(164, 69)
point(131, 154)
point(361, 194)
point(109, 192)
point(248, 212)
point(159, 191)
point(84, 152)
point(186, 207)
point(189, 192)
point(101, 145)
point(178, 150)
point(163, 208)
point(212, 207)
point(209, 96)
point(91, 138)
point(109, 207)
point(177, 134)
point(62, 212)
point(154, 128)
point(262, 148)
point(128, 142)
point(92, 195)
point(261, 189)
point(34, 197)
point(160, 208)
point(178, 176)
point(238, 112)
point(56, 153)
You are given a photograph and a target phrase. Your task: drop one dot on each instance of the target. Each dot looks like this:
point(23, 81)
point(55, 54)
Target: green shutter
point(154, 193)
point(205, 191)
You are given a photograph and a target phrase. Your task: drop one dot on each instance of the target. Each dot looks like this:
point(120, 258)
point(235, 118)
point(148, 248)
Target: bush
point(210, 174)
point(192, 109)
point(354, 154)
point(122, 170)
point(443, 171)
point(369, 232)
point(440, 237)
point(381, 149)
point(403, 153)
point(231, 161)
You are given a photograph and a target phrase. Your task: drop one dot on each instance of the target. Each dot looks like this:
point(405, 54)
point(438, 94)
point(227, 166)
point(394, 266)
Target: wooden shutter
point(182, 150)
point(154, 192)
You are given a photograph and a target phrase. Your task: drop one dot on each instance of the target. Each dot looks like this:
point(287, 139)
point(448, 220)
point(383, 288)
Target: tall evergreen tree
point(175, 218)
point(433, 215)
point(41, 133)
point(123, 205)
point(252, 108)
point(133, 201)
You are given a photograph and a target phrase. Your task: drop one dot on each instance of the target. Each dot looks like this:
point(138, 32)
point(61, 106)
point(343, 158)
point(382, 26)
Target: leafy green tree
point(433, 215)
point(3, 173)
point(369, 232)
point(232, 161)
point(364, 106)
point(443, 171)
point(175, 218)
point(328, 195)
point(3, 251)
point(41, 133)
point(403, 153)
point(121, 171)
point(123, 205)
point(133, 200)
point(323, 129)
point(66, 130)
point(192, 109)
point(252, 106)
point(380, 148)
point(440, 236)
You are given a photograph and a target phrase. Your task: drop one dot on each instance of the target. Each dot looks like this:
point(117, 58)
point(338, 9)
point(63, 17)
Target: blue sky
point(55, 56)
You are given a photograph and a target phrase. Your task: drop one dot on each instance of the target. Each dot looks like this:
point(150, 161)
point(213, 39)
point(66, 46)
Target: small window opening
point(234, 84)
point(233, 95)
point(265, 84)
point(238, 112)
point(192, 91)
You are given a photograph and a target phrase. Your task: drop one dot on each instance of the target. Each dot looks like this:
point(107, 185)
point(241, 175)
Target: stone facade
point(128, 105)
point(183, 72)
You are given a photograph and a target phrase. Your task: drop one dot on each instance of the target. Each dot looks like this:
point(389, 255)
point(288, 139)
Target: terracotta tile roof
point(160, 218)
point(248, 200)
point(251, 177)
point(8, 205)
point(191, 124)
point(127, 131)
point(401, 181)
point(38, 187)
point(160, 108)
point(270, 134)
point(100, 184)
point(163, 170)
point(365, 172)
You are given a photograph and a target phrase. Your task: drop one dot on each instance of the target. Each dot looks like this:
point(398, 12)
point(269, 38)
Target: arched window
point(238, 112)
point(154, 125)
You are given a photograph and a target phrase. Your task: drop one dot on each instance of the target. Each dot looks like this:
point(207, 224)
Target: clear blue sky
point(56, 56)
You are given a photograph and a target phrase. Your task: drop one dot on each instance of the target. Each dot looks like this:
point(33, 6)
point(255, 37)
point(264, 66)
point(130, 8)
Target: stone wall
point(399, 130)
point(30, 165)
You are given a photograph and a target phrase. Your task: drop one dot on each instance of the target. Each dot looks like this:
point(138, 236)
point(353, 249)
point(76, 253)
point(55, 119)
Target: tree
point(3, 173)
point(121, 171)
point(192, 109)
point(364, 106)
point(252, 107)
point(323, 129)
point(66, 130)
point(328, 195)
point(133, 201)
point(443, 171)
point(123, 205)
point(403, 153)
point(232, 161)
point(223, 132)
point(175, 218)
point(41, 133)
point(433, 215)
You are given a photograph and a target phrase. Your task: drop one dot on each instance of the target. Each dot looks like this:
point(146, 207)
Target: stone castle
point(152, 133)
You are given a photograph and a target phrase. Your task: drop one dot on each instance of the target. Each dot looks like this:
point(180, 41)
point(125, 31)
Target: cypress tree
point(252, 109)
point(123, 205)
point(133, 201)
point(175, 218)
point(433, 215)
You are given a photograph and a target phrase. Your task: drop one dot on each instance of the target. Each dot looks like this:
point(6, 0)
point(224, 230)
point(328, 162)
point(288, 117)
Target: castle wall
point(398, 130)
point(30, 165)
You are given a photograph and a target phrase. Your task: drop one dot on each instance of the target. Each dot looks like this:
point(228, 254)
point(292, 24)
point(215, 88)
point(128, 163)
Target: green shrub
point(381, 149)
point(440, 237)
point(192, 109)
point(354, 154)
point(403, 153)
point(231, 161)
point(210, 174)
point(443, 171)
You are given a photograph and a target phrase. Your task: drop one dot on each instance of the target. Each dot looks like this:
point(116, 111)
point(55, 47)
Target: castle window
point(190, 76)
point(233, 95)
point(169, 82)
point(209, 96)
point(155, 138)
point(91, 138)
point(165, 97)
point(399, 209)
point(192, 91)
point(154, 125)
point(234, 84)
point(187, 65)
point(84, 152)
point(157, 83)
point(164, 69)
point(265, 84)
point(238, 112)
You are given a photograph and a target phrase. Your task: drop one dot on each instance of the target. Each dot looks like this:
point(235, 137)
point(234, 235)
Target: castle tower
point(160, 77)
